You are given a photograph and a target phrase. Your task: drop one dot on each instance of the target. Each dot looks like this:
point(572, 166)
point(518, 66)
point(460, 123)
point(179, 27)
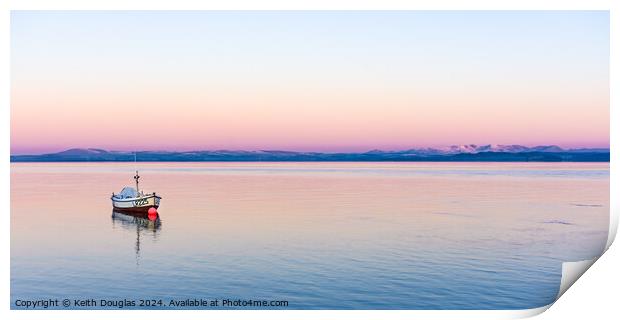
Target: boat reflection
point(141, 223)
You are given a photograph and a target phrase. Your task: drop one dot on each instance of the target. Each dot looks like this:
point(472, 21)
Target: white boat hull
point(138, 204)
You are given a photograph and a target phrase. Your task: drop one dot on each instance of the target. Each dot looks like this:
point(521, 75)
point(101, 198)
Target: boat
point(131, 200)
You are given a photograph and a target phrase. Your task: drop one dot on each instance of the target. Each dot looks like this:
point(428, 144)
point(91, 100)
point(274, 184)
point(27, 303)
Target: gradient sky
point(322, 81)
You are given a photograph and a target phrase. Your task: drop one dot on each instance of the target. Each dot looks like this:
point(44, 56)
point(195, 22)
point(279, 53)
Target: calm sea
point(318, 235)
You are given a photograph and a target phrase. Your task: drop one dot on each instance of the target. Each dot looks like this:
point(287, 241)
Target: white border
point(6, 6)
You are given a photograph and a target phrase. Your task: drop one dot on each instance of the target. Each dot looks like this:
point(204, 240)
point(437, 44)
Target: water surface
point(319, 235)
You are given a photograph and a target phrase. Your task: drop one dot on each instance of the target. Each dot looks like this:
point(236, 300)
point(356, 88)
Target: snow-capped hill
point(512, 148)
point(82, 152)
point(503, 148)
point(470, 149)
point(466, 148)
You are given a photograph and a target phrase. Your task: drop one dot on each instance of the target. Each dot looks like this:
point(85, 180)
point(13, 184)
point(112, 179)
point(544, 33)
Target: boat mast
point(136, 177)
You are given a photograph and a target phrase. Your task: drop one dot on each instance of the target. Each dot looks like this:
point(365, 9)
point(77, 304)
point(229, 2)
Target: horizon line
point(313, 151)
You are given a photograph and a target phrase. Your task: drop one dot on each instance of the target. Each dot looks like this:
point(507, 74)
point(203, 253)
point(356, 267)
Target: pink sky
point(189, 120)
point(170, 82)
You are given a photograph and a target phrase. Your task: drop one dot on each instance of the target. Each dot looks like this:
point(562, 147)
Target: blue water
point(319, 235)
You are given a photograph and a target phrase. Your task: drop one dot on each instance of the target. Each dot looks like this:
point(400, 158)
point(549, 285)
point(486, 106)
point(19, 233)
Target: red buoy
point(152, 213)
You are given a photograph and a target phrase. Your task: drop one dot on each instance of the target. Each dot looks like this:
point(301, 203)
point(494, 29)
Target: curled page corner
point(571, 271)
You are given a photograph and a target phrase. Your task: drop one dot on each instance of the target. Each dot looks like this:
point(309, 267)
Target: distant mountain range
point(463, 153)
